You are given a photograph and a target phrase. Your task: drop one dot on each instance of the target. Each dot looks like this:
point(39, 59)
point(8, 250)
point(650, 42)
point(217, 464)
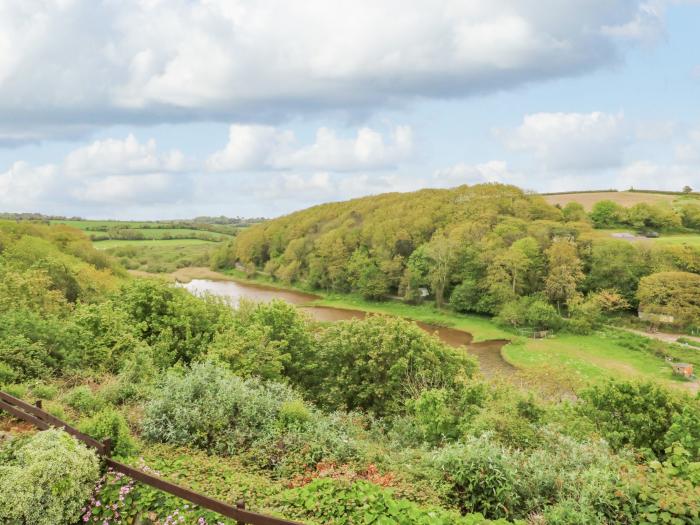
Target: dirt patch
point(490, 359)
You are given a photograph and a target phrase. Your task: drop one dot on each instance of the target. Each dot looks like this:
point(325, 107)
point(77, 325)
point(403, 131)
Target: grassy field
point(161, 256)
point(690, 239)
point(590, 358)
point(623, 198)
point(103, 245)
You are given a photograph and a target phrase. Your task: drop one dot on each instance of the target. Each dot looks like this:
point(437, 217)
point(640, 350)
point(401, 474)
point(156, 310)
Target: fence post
point(107, 446)
point(240, 504)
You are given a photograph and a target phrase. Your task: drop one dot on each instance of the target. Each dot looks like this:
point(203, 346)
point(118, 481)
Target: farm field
point(104, 245)
point(673, 239)
point(623, 198)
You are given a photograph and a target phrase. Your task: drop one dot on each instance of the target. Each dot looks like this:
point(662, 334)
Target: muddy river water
point(487, 352)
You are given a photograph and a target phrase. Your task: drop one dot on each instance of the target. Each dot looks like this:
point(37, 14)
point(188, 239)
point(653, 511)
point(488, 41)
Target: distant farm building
point(683, 369)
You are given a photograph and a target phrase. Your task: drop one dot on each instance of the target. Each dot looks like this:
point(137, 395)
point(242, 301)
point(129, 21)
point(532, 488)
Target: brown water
point(487, 352)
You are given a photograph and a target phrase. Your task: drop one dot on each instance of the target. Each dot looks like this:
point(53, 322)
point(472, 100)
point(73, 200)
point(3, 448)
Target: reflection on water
point(488, 352)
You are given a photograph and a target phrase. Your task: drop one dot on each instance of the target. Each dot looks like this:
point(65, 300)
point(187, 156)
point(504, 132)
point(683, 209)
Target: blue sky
point(142, 109)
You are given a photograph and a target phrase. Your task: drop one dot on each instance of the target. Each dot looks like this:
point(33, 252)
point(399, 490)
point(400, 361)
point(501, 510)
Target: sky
point(170, 109)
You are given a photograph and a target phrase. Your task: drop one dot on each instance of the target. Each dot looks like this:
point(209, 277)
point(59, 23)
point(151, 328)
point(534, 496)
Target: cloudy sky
point(174, 108)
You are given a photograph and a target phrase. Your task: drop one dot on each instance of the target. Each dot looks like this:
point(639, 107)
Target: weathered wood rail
point(43, 420)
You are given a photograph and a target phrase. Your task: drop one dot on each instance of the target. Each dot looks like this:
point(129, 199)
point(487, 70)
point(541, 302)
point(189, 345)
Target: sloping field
point(623, 198)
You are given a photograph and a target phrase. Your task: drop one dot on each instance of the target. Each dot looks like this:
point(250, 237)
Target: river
point(487, 352)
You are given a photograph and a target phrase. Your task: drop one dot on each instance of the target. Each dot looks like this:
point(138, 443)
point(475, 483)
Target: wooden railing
point(43, 420)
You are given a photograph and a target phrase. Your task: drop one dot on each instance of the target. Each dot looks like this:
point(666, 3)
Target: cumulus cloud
point(111, 172)
point(646, 174)
point(255, 147)
point(86, 63)
point(23, 185)
point(462, 173)
point(570, 141)
point(114, 156)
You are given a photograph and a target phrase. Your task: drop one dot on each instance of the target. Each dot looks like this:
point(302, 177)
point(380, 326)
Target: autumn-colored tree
point(671, 293)
point(564, 272)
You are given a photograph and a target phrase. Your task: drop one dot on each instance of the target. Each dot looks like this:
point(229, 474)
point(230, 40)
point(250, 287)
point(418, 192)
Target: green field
point(103, 245)
point(589, 358)
point(689, 239)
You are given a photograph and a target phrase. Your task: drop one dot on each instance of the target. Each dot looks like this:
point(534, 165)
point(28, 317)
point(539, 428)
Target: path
point(666, 337)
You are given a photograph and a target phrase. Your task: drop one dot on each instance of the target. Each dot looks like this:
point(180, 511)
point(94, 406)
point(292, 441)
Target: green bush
point(481, 477)
point(17, 390)
point(631, 414)
point(44, 391)
point(211, 409)
point(336, 502)
point(178, 326)
point(378, 363)
point(109, 423)
point(133, 381)
point(82, 399)
point(46, 480)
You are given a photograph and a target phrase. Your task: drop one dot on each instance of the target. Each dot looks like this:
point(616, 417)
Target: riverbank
point(565, 360)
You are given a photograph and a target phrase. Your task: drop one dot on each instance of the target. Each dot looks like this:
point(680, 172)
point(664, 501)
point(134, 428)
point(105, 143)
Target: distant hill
point(623, 198)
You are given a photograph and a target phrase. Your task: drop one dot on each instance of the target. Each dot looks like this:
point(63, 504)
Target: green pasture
point(103, 245)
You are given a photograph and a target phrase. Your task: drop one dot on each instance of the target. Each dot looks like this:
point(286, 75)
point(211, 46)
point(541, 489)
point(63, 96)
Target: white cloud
point(570, 141)
point(462, 173)
point(109, 172)
point(254, 147)
point(689, 152)
point(649, 175)
point(646, 26)
point(22, 185)
point(84, 63)
point(126, 189)
point(114, 156)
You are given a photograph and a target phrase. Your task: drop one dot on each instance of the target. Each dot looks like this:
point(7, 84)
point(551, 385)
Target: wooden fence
point(42, 420)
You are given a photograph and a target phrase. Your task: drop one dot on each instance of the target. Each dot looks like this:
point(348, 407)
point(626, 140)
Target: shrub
point(44, 391)
point(109, 423)
point(634, 414)
point(377, 363)
point(529, 312)
point(211, 409)
point(47, 480)
point(335, 502)
point(442, 415)
point(177, 325)
point(480, 476)
point(82, 399)
point(17, 390)
point(133, 381)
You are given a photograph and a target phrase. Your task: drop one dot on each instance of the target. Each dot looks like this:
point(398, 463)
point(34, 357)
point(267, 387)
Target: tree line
point(490, 249)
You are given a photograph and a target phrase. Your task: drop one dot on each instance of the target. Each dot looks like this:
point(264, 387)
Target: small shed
point(683, 369)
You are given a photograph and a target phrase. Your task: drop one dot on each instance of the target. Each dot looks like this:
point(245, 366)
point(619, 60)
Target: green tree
point(377, 363)
point(671, 293)
point(442, 251)
point(634, 414)
point(606, 214)
point(564, 272)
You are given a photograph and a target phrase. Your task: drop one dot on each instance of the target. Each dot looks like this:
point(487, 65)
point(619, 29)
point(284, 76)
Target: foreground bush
point(211, 409)
point(46, 479)
point(378, 363)
point(334, 502)
point(108, 423)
